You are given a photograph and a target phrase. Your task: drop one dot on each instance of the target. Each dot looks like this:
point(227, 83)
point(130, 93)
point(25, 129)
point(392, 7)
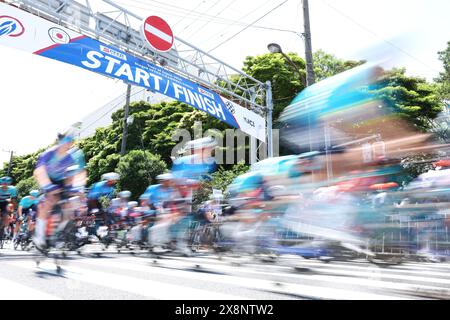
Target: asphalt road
point(205, 276)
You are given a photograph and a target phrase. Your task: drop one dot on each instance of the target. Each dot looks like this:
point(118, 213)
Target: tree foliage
point(444, 77)
point(327, 65)
point(137, 170)
point(285, 80)
point(25, 186)
point(220, 181)
point(412, 98)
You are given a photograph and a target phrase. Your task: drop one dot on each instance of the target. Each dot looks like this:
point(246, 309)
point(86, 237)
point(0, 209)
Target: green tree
point(444, 77)
point(285, 80)
point(137, 170)
point(22, 166)
point(411, 98)
point(327, 65)
point(151, 130)
point(25, 186)
point(98, 166)
point(221, 179)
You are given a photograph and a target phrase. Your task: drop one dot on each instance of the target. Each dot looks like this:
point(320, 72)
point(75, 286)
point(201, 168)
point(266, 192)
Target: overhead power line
point(117, 105)
point(198, 16)
point(209, 8)
point(210, 20)
point(239, 21)
point(190, 12)
point(248, 26)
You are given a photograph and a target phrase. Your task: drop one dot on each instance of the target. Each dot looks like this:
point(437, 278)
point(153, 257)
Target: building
point(102, 116)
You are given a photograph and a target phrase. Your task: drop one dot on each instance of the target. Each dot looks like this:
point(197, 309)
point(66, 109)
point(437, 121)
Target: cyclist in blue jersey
point(195, 167)
point(102, 189)
point(60, 173)
point(158, 196)
point(26, 204)
point(199, 164)
point(162, 199)
point(8, 195)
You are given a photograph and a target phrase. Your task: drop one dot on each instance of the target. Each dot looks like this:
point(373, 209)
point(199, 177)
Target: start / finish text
point(119, 69)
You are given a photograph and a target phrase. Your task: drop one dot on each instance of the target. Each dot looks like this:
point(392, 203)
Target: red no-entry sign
point(158, 33)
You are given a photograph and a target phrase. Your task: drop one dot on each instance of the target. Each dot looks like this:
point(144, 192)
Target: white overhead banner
point(25, 31)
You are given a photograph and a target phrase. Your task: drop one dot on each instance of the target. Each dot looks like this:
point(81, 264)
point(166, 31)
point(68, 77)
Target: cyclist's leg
point(3, 215)
point(44, 209)
point(17, 225)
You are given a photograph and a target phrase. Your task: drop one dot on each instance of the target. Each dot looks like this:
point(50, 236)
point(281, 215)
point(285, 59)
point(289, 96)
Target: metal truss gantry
point(119, 27)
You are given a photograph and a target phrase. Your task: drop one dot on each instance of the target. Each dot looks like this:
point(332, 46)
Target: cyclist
point(189, 171)
point(162, 199)
point(8, 195)
point(199, 164)
point(26, 204)
point(60, 173)
point(104, 188)
point(11, 220)
point(159, 195)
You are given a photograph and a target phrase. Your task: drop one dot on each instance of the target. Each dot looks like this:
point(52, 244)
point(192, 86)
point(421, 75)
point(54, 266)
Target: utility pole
point(310, 79)
point(269, 104)
point(10, 163)
point(125, 121)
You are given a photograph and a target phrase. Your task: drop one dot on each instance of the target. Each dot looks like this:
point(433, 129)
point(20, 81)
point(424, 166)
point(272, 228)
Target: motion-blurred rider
point(26, 204)
point(60, 173)
point(8, 195)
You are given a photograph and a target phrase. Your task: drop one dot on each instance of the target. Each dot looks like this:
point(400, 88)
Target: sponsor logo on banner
point(11, 27)
point(58, 35)
point(206, 93)
point(230, 106)
point(113, 53)
point(250, 122)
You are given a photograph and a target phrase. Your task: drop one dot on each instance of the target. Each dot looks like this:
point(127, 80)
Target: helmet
point(143, 197)
point(34, 193)
point(132, 204)
point(111, 176)
point(6, 180)
point(115, 202)
point(124, 194)
point(66, 136)
point(164, 176)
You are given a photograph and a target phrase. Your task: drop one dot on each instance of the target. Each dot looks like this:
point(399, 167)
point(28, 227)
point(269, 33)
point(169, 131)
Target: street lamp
point(276, 48)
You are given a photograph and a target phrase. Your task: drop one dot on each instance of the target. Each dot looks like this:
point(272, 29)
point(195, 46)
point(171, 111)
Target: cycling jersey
point(28, 202)
point(7, 193)
point(56, 166)
point(193, 167)
point(157, 194)
point(101, 189)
